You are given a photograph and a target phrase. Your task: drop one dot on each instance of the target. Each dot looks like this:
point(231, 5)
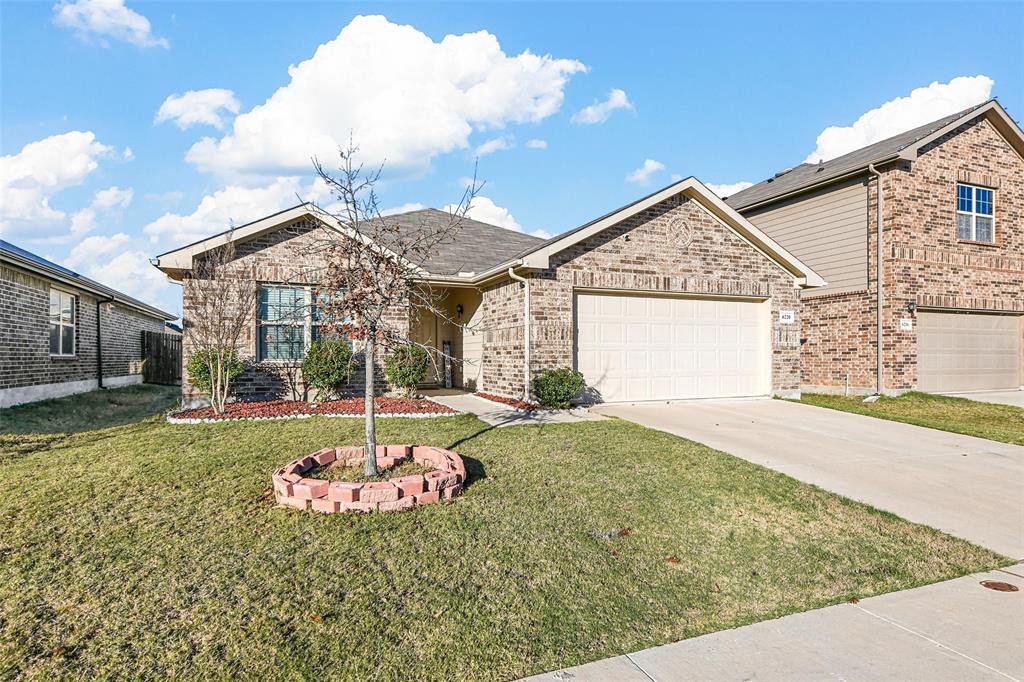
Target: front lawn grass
point(1003, 423)
point(152, 550)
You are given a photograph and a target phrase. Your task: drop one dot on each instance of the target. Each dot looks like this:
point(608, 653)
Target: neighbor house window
point(62, 323)
point(975, 217)
point(289, 321)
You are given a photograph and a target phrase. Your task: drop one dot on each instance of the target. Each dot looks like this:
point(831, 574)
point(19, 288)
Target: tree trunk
point(370, 444)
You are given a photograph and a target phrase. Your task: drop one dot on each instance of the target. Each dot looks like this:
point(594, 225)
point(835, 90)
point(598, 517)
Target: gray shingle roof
point(478, 247)
point(809, 174)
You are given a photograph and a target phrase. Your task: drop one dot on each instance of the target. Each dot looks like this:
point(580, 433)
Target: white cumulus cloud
point(598, 112)
point(485, 210)
point(198, 107)
point(91, 249)
point(923, 105)
point(728, 189)
point(495, 144)
point(106, 202)
point(98, 20)
point(402, 97)
point(121, 262)
point(30, 178)
point(642, 175)
point(232, 206)
point(404, 208)
point(537, 144)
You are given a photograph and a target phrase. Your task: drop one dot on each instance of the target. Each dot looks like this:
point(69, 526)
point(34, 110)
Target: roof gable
point(903, 146)
point(539, 257)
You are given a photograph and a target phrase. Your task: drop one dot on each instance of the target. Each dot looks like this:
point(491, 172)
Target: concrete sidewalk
point(968, 487)
point(1014, 398)
point(955, 630)
point(497, 414)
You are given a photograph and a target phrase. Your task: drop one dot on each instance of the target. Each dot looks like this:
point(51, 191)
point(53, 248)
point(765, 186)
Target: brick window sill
point(991, 245)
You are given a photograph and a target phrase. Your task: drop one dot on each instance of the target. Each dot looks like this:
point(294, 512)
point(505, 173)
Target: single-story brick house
point(673, 296)
point(941, 206)
point(62, 333)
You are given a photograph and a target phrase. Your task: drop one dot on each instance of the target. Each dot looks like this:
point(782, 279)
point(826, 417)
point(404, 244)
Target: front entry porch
point(456, 335)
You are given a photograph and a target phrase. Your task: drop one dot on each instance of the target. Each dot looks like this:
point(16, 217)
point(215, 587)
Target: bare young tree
point(372, 271)
point(217, 287)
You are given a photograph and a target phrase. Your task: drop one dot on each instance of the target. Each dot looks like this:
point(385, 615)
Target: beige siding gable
point(826, 229)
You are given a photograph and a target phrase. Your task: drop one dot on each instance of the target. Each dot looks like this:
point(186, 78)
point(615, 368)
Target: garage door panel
point(967, 352)
point(662, 348)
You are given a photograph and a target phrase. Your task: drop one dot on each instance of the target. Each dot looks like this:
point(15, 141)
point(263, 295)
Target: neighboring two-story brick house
point(674, 296)
point(952, 254)
point(62, 333)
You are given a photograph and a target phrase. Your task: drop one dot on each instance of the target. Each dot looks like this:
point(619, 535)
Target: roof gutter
point(879, 297)
point(83, 286)
point(526, 331)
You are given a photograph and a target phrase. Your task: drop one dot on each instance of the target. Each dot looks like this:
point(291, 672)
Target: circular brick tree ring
point(293, 489)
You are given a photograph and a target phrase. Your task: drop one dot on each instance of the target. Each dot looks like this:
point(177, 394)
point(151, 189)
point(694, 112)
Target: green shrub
point(556, 387)
point(327, 366)
point(199, 371)
point(407, 367)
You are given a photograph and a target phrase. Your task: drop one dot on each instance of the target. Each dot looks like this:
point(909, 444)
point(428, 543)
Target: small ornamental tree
point(327, 367)
point(199, 366)
point(370, 289)
point(216, 287)
point(407, 367)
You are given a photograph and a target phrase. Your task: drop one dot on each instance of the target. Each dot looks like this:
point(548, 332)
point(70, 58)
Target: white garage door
point(965, 352)
point(660, 348)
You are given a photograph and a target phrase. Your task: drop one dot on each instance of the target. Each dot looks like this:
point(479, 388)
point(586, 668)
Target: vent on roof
point(782, 172)
point(821, 165)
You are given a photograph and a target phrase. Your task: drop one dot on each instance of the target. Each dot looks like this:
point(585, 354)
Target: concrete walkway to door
point(969, 487)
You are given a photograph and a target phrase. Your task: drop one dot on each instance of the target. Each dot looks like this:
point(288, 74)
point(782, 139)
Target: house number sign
point(787, 316)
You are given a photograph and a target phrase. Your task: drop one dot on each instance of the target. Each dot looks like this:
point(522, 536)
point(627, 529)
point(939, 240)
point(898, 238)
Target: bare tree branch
point(371, 290)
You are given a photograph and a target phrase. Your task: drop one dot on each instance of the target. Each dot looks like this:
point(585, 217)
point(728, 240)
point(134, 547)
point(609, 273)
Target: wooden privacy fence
point(161, 358)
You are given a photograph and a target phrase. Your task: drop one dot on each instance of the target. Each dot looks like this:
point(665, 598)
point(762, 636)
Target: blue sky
point(729, 92)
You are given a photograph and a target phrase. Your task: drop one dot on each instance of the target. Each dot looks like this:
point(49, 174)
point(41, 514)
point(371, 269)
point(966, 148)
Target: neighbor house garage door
point(967, 352)
point(660, 348)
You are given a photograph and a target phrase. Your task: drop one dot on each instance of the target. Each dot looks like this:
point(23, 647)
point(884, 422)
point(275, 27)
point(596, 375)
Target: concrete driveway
point(968, 487)
point(1015, 398)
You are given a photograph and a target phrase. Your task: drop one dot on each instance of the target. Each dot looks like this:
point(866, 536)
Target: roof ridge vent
point(782, 172)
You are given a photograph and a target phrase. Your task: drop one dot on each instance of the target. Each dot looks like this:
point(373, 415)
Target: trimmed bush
point(199, 371)
point(556, 387)
point(327, 367)
point(407, 367)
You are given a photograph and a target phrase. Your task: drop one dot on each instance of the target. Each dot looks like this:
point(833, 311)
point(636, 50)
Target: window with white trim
point(289, 321)
point(62, 323)
point(975, 213)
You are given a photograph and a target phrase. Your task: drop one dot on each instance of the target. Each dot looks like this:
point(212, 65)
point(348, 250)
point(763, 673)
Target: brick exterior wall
point(291, 255)
point(656, 259)
point(923, 262)
point(24, 335)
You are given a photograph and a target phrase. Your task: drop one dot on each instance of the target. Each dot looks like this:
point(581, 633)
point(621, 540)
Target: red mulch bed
point(288, 408)
point(511, 402)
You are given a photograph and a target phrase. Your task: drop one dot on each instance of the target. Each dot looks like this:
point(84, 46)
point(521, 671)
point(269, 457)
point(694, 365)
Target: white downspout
point(526, 332)
point(878, 279)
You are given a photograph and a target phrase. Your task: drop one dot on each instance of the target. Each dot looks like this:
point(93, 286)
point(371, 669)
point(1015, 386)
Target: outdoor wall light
point(458, 310)
point(912, 307)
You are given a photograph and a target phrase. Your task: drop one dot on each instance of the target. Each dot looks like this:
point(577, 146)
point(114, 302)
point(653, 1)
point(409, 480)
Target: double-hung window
point(975, 214)
point(289, 321)
point(62, 323)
